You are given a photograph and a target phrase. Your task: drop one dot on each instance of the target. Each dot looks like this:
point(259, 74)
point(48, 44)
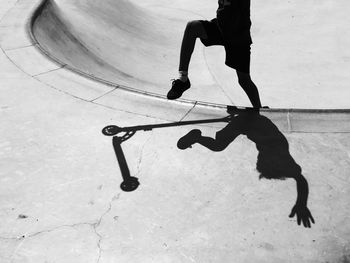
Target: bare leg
point(250, 89)
point(194, 30)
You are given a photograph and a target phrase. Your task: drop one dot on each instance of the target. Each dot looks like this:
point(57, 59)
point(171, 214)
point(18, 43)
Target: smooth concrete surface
point(299, 59)
point(60, 199)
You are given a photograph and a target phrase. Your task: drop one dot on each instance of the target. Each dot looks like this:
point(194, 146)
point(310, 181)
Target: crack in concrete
point(100, 237)
point(98, 223)
point(93, 225)
point(22, 238)
point(141, 154)
point(56, 228)
point(8, 238)
point(188, 112)
point(25, 236)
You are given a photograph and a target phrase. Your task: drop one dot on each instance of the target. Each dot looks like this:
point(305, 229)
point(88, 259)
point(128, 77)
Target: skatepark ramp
point(115, 42)
point(300, 58)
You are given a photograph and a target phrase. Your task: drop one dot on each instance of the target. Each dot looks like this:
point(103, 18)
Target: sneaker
point(177, 88)
point(189, 139)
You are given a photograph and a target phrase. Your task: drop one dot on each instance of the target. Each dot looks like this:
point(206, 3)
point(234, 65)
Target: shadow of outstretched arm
point(300, 209)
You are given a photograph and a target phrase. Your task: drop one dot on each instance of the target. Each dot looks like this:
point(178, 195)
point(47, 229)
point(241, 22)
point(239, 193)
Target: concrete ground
point(60, 199)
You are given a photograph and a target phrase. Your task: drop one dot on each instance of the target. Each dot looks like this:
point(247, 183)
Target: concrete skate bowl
point(300, 55)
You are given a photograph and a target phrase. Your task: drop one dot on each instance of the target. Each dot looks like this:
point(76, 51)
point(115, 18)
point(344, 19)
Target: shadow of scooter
point(122, 134)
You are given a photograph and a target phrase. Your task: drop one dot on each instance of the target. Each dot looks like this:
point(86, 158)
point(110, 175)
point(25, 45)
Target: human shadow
point(274, 159)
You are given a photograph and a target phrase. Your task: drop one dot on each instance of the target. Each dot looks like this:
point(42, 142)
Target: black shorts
point(237, 56)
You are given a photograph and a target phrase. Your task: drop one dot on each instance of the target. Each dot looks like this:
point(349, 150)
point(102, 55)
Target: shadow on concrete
point(121, 134)
point(274, 159)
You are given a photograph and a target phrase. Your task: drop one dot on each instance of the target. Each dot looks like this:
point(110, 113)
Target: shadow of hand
point(303, 214)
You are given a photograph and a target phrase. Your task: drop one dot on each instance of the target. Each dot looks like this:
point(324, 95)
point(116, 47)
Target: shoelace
point(173, 82)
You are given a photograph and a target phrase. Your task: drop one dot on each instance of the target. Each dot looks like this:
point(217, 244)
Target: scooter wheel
point(111, 130)
point(130, 184)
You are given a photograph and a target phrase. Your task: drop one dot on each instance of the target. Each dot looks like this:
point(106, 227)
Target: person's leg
point(249, 87)
point(194, 30)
